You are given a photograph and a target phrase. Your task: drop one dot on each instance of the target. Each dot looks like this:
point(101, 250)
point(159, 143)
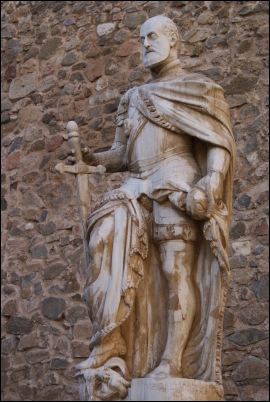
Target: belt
point(147, 162)
point(187, 232)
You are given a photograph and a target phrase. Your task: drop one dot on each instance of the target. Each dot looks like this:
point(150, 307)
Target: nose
point(146, 43)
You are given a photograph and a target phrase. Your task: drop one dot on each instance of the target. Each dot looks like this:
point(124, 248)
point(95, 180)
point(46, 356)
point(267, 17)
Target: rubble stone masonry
point(65, 60)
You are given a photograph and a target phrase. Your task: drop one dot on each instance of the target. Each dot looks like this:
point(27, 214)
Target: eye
point(142, 39)
point(153, 36)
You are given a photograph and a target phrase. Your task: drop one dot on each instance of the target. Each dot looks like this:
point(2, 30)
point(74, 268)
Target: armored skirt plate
point(173, 389)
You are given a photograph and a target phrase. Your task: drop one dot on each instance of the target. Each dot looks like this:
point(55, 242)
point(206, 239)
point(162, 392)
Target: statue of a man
point(163, 235)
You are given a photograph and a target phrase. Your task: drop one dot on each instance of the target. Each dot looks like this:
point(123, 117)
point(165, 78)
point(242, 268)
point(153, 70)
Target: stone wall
point(64, 60)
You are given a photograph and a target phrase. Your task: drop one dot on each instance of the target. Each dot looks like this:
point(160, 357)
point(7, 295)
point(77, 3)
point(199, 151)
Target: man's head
point(159, 38)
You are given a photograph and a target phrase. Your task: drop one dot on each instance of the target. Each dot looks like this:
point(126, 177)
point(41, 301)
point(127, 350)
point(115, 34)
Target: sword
point(81, 170)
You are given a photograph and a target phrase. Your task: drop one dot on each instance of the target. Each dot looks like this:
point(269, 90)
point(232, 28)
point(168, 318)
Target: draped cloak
point(195, 105)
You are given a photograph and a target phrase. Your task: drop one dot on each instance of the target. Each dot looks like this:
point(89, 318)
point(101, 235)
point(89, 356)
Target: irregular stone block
point(49, 48)
point(253, 314)
point(261, 288)
point(251, 368)
point(22, 86)
point(37, 355)
point(19, 325)
point(134, 20)
point(53, 307)
point(75, 314)
point(248, 336)
point(105, 29)
point(58, 364)
point(54, 270)
point(8, 344)
point(10, 308)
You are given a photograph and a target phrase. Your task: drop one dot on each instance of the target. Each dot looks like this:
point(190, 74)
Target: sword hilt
point(74, 141)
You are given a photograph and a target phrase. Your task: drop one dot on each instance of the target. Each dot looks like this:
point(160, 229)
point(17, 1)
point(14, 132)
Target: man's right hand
point(88, 156)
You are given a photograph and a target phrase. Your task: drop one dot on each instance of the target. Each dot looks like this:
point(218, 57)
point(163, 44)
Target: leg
point(178, 259)
point(113, 345)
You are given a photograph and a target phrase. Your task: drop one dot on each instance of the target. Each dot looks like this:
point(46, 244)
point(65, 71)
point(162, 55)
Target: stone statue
point(158, 271)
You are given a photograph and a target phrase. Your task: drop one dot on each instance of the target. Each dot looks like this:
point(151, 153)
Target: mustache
point(150, 51)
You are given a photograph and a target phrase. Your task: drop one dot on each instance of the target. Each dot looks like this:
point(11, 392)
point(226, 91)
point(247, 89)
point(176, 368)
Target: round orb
point(72, 126)
point(196, 203)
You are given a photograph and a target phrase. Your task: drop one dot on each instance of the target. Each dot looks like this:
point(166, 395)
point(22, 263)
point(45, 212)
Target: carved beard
point(153, 58)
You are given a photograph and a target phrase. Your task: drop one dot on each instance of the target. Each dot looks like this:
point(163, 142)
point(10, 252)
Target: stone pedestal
point(174, 389)
point(145, 389)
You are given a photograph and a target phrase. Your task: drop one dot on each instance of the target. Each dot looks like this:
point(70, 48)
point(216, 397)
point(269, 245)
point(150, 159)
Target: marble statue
point(158, 267)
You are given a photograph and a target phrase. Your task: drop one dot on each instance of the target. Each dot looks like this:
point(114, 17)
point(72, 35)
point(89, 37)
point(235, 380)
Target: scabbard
point(84, 204)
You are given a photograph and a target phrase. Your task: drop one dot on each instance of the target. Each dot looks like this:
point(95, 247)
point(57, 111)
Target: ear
point(173, 40)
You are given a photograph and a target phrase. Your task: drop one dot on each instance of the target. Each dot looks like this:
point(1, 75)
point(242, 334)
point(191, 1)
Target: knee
point(168, 264)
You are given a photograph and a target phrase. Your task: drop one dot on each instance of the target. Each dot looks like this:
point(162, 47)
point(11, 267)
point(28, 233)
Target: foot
point(110, 347)
point(165, 369)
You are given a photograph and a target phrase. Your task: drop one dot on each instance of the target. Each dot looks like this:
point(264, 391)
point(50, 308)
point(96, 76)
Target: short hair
point(169, 26)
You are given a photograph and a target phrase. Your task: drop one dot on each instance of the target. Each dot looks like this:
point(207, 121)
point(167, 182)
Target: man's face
point(155, 43)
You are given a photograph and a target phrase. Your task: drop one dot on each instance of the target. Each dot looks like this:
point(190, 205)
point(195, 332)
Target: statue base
point(174, 389)
point(148, 389)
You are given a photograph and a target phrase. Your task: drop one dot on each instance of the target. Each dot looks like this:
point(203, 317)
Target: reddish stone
point(10, 308)
point(73, 389)
point(28, 341)
point(118, 16)
point(54, 143)
point(126, 49)
point(13, 160)
point(80, 349)
point(10, 72)
point(83, 330)
point(94, 70)
point(260, 228)
point(229, 388)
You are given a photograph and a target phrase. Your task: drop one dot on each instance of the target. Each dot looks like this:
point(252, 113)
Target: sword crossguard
point(80, 166)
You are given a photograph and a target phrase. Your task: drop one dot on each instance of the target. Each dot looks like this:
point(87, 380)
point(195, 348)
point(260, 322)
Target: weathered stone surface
point(10, 308)
point(247, 336)
point(197, 35)
point(253, 314)
point(242, 202)
point(54, 270)
point(126, 49)
point(83, 330)
point(106, 96)
point(53, 307)
point(40, 251)
point(19, 325)
point(46, 229)
point(20, 373)
point(49, 48)
point(80, 349)
point(37, 355)
point(260, 228)
point(251, 368)
point(75, 313)
point(54, 143)
point(105, 29)
point(238, 230)
point(240, 85)
point(111, 67)
point(134, 20)
point(47, 83)
point(94, 70)
point(261, 288)
point(8, 344)
point(69, 59)
point(71, 283)
point(58, 364)
point(52, 394)
point(28, 114)
point(22, 86)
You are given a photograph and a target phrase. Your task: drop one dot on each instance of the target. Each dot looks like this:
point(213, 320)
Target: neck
point(169, 59)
